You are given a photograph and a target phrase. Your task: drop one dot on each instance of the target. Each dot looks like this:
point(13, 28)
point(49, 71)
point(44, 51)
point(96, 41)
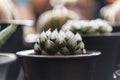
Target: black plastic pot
point(117, 29)
point(109, 45)
point(45, 67)
point(5, 61)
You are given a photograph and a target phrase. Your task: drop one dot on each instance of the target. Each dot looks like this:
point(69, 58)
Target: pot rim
point(102, 35)
point(30, 54)
point(19, 22)
point(12, 57)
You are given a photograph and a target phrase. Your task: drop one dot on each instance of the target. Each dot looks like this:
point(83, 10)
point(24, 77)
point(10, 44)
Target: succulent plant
point(55, 43)
point(55, 18)
point(97, 26)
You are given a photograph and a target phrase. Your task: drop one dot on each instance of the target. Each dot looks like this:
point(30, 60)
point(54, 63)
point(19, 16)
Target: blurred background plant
point(6, 33)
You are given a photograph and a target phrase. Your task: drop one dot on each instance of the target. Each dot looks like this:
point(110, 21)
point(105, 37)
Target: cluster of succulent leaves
point(97, 26)
point(59, 43)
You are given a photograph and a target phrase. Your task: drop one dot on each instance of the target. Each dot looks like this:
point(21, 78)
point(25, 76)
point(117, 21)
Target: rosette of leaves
point(55, 18)
point(97, 26)
point(55, 43)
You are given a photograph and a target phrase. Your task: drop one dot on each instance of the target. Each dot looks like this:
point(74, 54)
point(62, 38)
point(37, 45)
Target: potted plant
point(8, 33)
point(5, 61)
point(11, 42)
point(58, 56)
point(98, 35)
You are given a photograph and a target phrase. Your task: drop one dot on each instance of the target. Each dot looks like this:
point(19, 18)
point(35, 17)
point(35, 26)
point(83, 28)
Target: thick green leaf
point(6, 33)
